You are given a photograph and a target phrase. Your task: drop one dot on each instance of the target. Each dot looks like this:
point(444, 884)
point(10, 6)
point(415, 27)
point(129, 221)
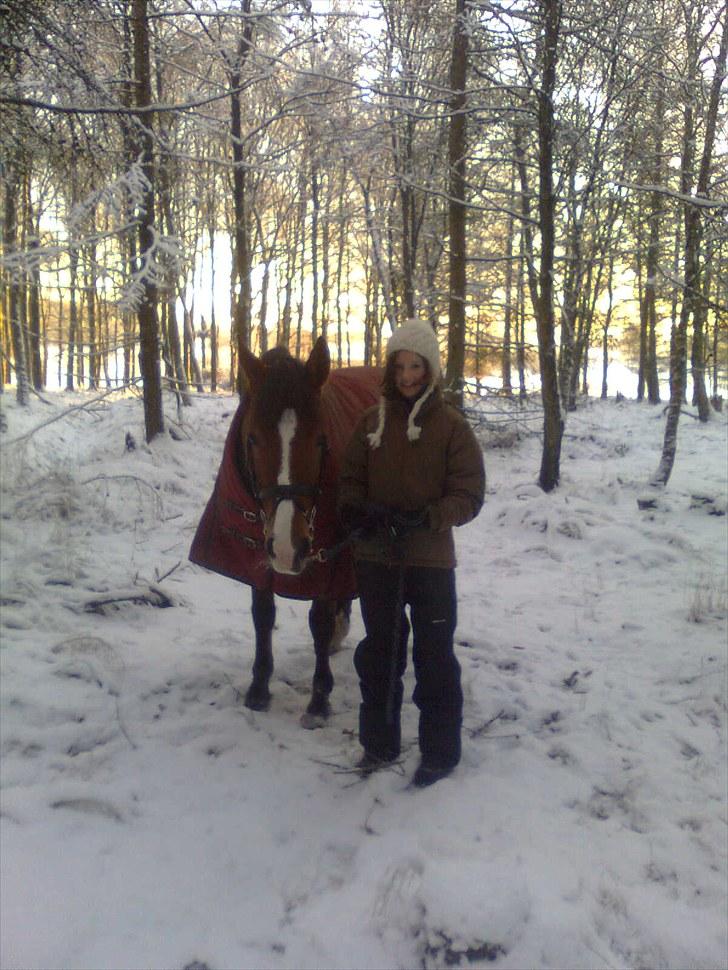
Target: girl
point(413, 470)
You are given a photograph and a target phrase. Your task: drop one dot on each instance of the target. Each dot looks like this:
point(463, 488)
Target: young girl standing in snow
point(413, 470)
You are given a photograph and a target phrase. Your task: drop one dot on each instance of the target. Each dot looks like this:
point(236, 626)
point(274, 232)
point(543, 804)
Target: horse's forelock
point(285, 387)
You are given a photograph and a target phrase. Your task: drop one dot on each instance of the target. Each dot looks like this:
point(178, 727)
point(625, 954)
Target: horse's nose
point(286, 549)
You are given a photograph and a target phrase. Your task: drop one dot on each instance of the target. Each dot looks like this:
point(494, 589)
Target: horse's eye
point(252, 440)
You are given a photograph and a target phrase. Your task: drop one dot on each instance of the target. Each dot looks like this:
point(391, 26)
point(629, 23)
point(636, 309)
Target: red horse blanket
point(229, 537)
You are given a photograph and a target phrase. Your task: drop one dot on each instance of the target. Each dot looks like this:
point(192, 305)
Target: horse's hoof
point(257, 701)
point(312, 721)
point(317, 711)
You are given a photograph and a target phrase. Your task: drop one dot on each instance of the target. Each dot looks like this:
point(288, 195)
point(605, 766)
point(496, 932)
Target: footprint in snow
point(397, 899)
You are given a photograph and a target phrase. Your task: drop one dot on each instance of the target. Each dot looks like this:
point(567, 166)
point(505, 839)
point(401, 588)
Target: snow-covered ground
point(150, 820)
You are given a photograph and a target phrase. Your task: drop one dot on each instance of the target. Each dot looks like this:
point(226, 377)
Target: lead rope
point(332, 552)
point(396, 635)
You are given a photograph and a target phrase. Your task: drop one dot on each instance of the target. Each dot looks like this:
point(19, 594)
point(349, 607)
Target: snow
point(150, 820)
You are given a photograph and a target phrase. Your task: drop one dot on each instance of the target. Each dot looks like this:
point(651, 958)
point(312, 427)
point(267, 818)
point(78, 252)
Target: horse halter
point(281, 493)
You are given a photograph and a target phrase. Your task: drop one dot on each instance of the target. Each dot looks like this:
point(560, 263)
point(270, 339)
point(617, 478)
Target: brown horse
point(271, 520)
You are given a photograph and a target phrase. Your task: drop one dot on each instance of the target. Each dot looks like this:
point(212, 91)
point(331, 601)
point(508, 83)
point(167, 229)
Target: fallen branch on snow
point(149, 596)
point(75, 407)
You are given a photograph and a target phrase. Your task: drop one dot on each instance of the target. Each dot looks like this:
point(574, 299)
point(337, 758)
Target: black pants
point(380, 663)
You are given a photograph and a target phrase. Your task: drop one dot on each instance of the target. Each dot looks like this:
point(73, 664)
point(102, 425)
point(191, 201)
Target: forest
point(545, 181)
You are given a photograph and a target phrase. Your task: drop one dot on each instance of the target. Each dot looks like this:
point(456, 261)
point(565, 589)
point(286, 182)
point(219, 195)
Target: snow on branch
point(123, 200)
point(697, 200)
point(155, 266)
point(124, 194)
point(122, 197)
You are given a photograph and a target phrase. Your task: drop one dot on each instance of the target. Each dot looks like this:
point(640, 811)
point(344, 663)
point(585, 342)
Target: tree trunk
point(5, 335)
point(340, 267)
point(719, 276)
point(189, 334)
point(285, 335)
point(243, 262)
point(214, 346)
point(605, 327)
point(12, 185)
point(653, 256)
point(699, 351)
point(553, 421)
point(405, 188)
point(325, 263)
point(457, 210)
point(72, 319)
point(587, 314)
point(177, 375)
point(376, 252)
point(570, 292)
point(263, 315)
point(506, 362)
point(697, 361)
point(147, 311)
point(675, 298)
point(692, 284)
point(61, 321)
point(521, 317)
point(315, 206)
point(33, 242)
point(94, 368)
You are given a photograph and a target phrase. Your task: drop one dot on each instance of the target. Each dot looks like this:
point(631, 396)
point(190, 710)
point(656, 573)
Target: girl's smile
point(410, 373)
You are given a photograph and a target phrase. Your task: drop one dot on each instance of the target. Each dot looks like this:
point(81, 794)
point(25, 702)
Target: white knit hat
point(418, 337)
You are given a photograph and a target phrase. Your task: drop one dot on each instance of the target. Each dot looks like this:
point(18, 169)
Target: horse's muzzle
point(289, 562)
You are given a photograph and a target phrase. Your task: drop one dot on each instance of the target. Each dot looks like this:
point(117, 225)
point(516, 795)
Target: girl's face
point(410, 373)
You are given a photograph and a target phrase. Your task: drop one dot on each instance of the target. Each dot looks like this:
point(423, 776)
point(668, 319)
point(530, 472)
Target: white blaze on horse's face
point(281, 537)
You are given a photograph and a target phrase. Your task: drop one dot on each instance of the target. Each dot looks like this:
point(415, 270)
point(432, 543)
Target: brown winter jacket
point(442, 471)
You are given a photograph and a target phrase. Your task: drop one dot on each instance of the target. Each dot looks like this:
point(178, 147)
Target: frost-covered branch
point(124, 194)
point(155, 266)
point(71, 410)
point(696, 200)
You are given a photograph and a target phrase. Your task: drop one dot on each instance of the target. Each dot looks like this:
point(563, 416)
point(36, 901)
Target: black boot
point(428, 774)
point(369, 763)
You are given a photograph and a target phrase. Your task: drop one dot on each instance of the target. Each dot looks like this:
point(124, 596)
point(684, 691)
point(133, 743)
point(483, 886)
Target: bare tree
point(553, 428)
point(457, 204)
point(694, 267)
point(243, 264)
point(10, 227)
point(147, 310)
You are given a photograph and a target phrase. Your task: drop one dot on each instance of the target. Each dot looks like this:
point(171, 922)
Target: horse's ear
point(318, 364)
point(253, 368)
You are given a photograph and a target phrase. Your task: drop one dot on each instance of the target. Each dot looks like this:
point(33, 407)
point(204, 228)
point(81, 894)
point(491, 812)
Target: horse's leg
point(342, 619)
point(264, 614)
point(322, 623)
